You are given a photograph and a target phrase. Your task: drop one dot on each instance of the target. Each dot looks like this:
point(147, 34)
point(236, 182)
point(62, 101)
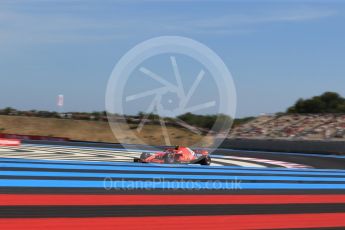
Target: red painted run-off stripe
point(9, 142)
point(182, 222)
point(44, 199)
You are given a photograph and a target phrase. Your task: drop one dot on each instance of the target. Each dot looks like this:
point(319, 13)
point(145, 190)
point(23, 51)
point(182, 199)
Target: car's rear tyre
point(169, 158)
point(206, 161)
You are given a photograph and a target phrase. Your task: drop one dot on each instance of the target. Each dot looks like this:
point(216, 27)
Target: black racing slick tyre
point(143, 156)
point(169, 158)
point(206, 161)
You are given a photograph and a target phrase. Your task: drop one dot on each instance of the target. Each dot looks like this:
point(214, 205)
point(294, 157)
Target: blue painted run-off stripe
point(75, 162)
point(132, 185)
point(162, 169)
point(167, 176)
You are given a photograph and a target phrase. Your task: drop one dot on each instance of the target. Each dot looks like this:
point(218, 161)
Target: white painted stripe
point(75, 155)
point(67, 150)
point(6, 150)
point(74, 149)
point(68, 158)
point(239, 163)
point(273, 162)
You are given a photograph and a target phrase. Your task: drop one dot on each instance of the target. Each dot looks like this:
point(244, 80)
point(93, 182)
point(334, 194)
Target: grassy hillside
point(91, 130)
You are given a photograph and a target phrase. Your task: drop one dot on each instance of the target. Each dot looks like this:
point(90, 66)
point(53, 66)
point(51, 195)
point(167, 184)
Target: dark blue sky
point(276, 52)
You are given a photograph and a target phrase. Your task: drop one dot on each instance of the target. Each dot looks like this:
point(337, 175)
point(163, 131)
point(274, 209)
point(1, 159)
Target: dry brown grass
point(93, 131)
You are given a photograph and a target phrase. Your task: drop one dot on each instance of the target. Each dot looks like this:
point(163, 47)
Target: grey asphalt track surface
point(317, 161)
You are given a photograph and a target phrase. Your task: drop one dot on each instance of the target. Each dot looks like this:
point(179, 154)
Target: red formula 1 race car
point(177, 155)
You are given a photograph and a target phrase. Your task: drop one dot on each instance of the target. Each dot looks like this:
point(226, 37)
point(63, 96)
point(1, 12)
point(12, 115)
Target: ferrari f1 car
point(177, 155)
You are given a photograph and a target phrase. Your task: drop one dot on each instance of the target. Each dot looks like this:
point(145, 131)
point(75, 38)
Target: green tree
point(328, 102)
